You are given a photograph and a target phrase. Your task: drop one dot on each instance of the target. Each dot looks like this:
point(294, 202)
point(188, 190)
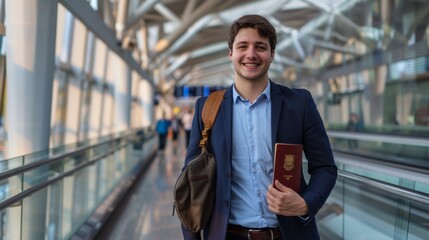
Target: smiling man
point(251, 56)
point(255, 114)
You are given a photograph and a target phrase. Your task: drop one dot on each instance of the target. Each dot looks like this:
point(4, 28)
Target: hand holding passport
point(287, 165)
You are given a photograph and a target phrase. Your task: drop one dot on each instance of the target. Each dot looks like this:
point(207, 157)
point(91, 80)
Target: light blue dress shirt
point(252, 164)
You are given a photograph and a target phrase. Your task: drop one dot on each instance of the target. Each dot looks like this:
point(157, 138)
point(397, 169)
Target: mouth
point(250, 64)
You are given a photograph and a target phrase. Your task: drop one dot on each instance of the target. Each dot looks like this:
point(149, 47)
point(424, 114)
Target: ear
point(272, 55)
point(229, 54)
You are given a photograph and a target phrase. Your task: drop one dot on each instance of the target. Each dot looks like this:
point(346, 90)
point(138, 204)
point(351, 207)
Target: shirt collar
point(266, 92)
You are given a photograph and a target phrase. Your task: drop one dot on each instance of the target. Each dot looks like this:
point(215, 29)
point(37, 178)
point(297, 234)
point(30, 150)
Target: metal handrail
point(18, 170)
point(18, 197)
point(396, 139)
point(398, 191)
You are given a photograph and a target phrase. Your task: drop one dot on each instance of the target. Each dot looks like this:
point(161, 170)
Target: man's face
point(251, 55)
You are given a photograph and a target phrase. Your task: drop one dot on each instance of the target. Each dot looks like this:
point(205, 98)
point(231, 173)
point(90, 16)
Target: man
point(175, 130)
point(162, 127)
point(353, 126)
point(187, 123)
point(255, 114)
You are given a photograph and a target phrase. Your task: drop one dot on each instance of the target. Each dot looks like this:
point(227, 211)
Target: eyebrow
point(256, 43)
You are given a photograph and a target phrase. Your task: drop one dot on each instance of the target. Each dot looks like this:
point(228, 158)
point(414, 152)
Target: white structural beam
point(135, 16)
point(201, 11)
point(30, 50)
point(167, 13)
point(319, 21)
point(91, 19)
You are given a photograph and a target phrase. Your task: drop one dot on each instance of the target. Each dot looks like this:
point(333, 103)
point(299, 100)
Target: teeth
point(251, 64)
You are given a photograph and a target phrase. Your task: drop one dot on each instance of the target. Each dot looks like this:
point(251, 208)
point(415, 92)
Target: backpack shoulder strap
point(210, 110)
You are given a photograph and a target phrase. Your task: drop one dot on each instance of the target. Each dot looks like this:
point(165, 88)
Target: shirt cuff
point(305, 217)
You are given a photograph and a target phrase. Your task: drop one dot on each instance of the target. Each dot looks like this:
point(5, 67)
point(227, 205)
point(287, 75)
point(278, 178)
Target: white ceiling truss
point(188, 38)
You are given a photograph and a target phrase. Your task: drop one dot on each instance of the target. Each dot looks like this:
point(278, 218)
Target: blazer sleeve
point(321, 165)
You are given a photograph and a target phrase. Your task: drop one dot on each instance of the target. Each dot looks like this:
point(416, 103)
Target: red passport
point(287, 165)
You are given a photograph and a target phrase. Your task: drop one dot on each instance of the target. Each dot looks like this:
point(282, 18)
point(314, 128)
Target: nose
point(251, 52)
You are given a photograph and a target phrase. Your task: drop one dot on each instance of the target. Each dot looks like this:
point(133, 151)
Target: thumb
point(280, 186)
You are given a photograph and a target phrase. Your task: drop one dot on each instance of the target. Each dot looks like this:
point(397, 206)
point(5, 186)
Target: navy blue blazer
point(294, 119)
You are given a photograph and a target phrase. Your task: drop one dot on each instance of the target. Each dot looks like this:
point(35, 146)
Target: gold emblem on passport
point(288, 163)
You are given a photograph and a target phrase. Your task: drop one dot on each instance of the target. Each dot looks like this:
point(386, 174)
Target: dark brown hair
point(261, 24)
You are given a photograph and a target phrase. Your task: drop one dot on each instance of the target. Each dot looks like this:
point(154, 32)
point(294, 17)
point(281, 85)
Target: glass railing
point(370, 202)
point(387, 129)
point(404, 150)
point(53, 197)
point(11, 163)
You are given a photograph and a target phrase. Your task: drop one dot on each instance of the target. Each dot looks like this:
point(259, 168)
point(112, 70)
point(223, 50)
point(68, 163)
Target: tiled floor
point(148, 212)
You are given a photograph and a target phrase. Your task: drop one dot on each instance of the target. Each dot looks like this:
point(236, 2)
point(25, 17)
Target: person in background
point(187, 123)
point(162, 127)
point(255, 114)
point(175, 127)
point(353, 125)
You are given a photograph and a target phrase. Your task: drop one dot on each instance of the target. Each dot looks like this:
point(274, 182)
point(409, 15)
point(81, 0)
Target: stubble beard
point(254, 78)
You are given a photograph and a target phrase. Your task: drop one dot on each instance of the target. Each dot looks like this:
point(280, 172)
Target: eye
point(261, 47)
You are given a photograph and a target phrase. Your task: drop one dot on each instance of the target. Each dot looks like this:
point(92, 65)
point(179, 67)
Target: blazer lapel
point(227, 120)
point(276, 108)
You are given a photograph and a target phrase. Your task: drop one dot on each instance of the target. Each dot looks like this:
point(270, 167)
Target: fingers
point(277, 200)
point(284, 201)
